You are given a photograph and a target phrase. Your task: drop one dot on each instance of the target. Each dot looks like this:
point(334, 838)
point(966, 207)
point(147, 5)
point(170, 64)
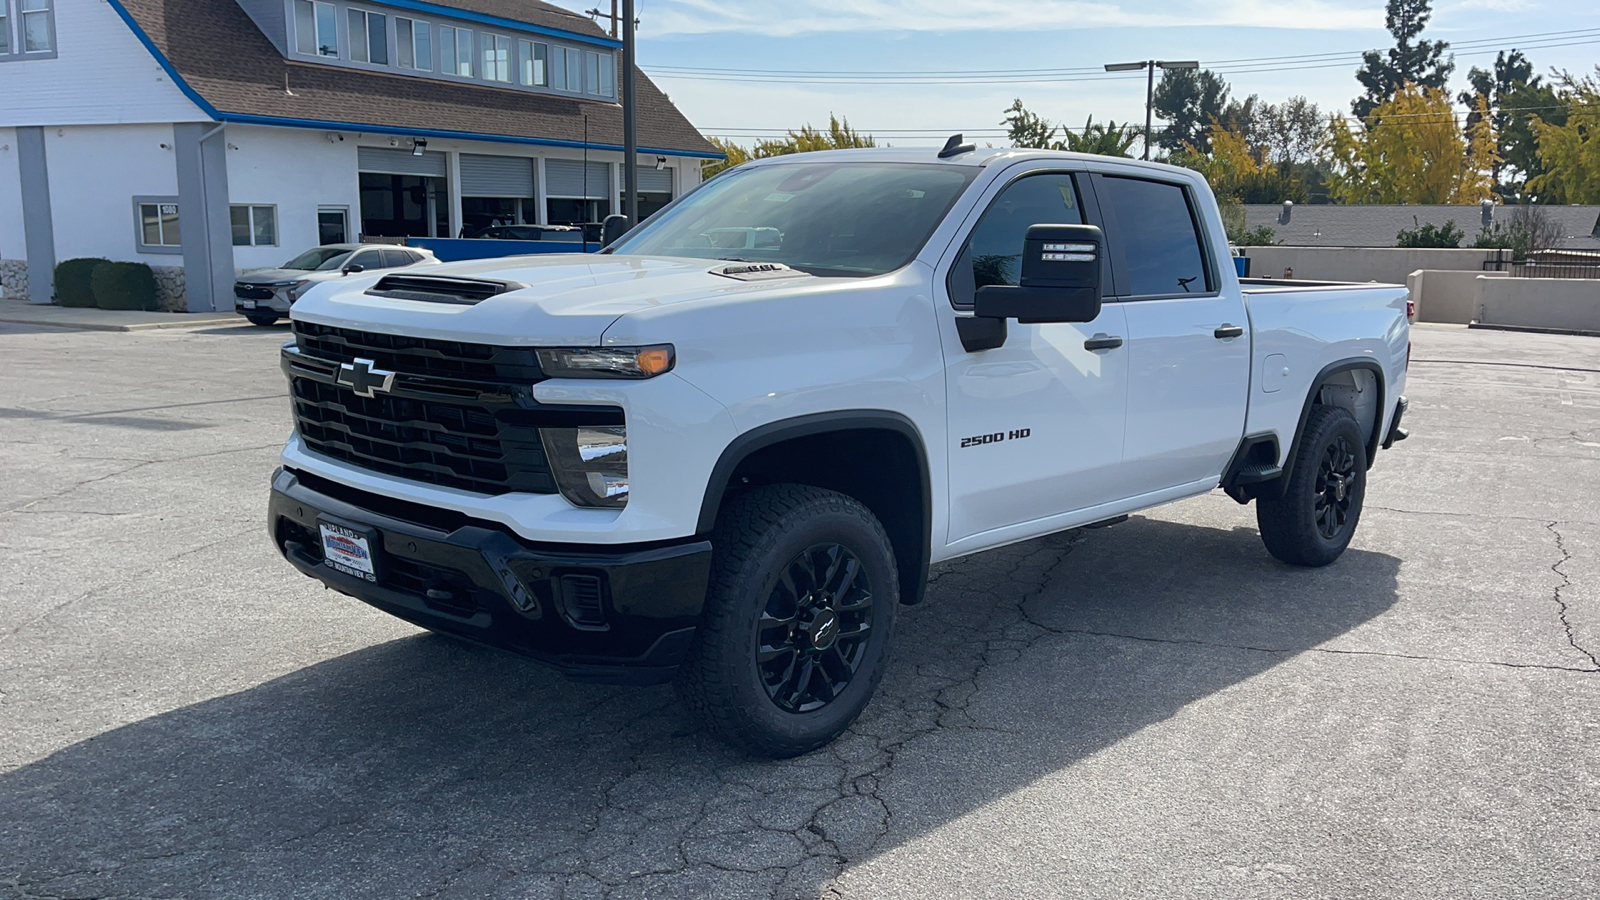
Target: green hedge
point(120, 285)
point(72, 281)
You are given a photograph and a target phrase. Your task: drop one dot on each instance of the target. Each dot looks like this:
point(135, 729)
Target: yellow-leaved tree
point(1570, 153)
point(838, 136)
point(1412, 150)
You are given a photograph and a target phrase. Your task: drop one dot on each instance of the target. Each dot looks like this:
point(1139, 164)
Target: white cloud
point(785, 19)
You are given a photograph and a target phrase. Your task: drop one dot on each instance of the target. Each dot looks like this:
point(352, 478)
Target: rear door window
point(1153, 237)
point(394, 258)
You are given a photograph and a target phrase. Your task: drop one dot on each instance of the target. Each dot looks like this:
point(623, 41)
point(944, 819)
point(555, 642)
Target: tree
point(1189, 99)
point(1570, 152)
point(1527, 230)
point(1412, 151)
point(1409, 61)
point(1027, 129)
point(1109, 139)
point(838, 136)
point(1447, 236)
point(1515, 95)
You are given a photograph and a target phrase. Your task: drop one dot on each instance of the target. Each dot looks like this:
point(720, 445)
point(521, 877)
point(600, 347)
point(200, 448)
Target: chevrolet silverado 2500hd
point(725, 451)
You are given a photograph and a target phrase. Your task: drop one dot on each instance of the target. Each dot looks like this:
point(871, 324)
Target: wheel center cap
point(824, 629)
point(1339, 487)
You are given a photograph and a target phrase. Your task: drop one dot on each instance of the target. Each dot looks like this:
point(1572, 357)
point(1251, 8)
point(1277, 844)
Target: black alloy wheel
point(812, 636)
point(1312, 522)
point(1335, 487)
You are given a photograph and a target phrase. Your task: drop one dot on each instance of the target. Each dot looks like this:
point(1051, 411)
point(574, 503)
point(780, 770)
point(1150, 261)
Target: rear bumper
point(1396, 433)
point(618, 614)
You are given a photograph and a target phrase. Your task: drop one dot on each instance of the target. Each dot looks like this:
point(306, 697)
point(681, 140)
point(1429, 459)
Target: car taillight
point(1408, 356)
point(1411, 310)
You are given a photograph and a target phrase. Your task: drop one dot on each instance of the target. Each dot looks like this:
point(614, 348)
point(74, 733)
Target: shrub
point(119, 285)
point(1259, 236)
point(72, 281)
point(1448, 235)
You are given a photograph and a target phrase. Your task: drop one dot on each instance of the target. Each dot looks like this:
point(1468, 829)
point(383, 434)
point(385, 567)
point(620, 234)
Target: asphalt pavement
point(1157, 709)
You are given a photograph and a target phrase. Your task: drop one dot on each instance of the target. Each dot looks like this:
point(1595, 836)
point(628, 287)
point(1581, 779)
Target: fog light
point(590, 463)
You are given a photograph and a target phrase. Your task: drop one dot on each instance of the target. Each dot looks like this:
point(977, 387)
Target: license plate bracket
point(349, 548)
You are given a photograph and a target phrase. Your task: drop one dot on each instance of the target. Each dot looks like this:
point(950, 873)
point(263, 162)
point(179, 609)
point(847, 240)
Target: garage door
point(391, 161)
point(496, 176)
point(565, 177)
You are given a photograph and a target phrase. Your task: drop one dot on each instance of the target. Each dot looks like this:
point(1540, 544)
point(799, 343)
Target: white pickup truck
point(728, 449)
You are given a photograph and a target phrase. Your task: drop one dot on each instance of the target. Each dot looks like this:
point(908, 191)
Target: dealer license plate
point(247, 304)
point(348, 550)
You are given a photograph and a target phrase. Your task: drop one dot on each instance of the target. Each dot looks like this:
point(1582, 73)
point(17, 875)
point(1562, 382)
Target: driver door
point(1036, 425)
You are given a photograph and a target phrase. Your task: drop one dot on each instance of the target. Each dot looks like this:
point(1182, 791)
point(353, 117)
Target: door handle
point(1229, 331)
point(1102, 341)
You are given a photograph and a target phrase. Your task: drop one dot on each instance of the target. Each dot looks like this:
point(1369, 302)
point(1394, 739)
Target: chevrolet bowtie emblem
point(361, 377)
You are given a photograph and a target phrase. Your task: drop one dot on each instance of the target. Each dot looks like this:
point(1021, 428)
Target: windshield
point(851, 219)
point(319, 258)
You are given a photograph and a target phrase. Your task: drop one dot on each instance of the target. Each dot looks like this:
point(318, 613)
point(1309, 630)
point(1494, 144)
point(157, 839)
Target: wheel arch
point(1334, 375)
point(809, 449)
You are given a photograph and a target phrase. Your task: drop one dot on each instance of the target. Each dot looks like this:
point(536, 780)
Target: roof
point(233, 72)
point(1333, 225)
point(979, 156)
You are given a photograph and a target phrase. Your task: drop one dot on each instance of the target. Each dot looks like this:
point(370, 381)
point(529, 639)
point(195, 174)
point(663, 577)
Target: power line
point(1248, 65)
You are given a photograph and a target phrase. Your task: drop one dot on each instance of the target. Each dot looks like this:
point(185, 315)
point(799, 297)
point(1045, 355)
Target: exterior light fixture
point(661, 163)
point(418, 145)
point(1150, 86)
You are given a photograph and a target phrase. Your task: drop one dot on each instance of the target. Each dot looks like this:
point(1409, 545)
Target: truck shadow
point(423, 765)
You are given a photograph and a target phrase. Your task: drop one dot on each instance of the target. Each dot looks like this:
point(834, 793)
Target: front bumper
point(617, 614)
point(250, 298)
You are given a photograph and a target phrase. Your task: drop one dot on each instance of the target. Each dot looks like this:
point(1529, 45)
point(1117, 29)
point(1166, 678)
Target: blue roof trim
point(161, 58)
point(498, 22)
point(250, 119)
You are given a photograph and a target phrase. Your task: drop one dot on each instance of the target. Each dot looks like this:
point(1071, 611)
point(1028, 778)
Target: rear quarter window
point(1155, 237)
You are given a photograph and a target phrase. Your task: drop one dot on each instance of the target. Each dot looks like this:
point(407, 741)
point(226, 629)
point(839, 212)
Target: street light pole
point(1150, 65)
point(630, 137)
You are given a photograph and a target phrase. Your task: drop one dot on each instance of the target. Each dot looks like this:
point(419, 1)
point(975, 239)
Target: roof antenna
point(954, 147)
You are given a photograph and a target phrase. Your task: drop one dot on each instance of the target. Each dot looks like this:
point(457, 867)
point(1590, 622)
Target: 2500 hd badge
point(1015, 434)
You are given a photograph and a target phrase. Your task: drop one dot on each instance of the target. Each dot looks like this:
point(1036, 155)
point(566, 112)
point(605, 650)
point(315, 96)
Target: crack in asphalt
point(1561, 603)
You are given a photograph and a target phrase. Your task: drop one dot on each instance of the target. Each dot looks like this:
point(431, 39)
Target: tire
point(781, 665)
point(1312, 523)
point(262, 318)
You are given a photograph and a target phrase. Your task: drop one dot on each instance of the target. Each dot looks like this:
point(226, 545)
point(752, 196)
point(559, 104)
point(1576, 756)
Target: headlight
point(296, 288)
point(606, 362)
point(590, 463)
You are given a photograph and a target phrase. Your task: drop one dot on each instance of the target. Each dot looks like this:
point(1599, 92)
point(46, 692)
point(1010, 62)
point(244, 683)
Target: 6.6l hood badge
point(363, 378)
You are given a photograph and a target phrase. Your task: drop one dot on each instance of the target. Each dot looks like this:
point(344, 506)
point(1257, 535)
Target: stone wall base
point(14, 279)
point(169, 289)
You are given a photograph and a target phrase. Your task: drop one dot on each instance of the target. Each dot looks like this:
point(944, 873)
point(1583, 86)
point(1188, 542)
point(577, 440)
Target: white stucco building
point(209, 136)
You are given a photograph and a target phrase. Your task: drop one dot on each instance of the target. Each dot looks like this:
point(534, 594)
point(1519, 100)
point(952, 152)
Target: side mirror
point(353, 268)
point(1060, 278)
point(613, 228)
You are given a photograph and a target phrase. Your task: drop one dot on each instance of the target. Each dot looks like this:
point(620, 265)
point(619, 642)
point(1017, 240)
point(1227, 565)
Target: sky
point(971, 58)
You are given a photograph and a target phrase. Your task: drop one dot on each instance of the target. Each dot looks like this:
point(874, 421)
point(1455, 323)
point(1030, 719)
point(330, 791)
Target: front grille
point(252, 292)
point(455, 414)
point(449, 444)
point(420, 356)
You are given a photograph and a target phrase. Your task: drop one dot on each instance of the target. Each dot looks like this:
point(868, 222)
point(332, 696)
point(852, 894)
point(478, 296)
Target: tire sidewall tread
point(1287, 524)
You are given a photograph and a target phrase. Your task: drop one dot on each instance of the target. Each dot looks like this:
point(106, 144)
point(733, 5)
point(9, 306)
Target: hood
point(273, 276)
point(565, 299)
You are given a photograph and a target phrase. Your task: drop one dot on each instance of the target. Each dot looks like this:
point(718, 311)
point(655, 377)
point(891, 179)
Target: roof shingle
point(221, 54)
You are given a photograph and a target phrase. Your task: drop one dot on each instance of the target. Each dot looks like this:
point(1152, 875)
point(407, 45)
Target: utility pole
point(613, 17)
point(630, 136)
point(1150, 65)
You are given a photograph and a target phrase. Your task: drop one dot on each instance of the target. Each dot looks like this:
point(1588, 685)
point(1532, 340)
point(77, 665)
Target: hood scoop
point(442, 289)
point(757, 271)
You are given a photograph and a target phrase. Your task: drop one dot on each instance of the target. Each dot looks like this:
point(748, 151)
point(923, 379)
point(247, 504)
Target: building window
point(369, 37)
point(34, 21)
point(254, 226)
point(414, 44)
point(455, 51)
point(158, 225)
point(496, 57)
point(558, 68)
point(316, 28)
point(608, 75)
point(531, 61)
point(574, 70)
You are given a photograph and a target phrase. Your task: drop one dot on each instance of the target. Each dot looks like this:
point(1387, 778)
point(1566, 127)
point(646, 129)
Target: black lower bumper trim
point(477, 581)
point(1396, 433)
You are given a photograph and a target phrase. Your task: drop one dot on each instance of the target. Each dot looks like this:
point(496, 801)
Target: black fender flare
point(913, 572)
point(1328, 371)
